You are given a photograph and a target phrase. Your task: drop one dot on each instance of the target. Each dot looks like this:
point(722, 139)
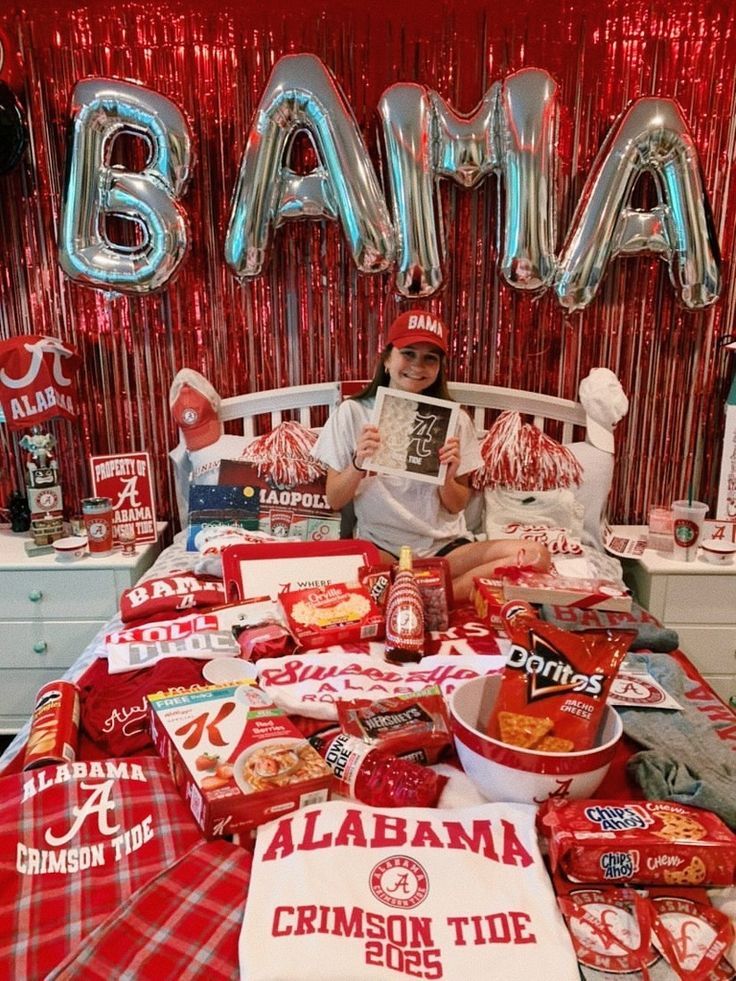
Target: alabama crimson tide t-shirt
point(339, 890)
point(76, 840)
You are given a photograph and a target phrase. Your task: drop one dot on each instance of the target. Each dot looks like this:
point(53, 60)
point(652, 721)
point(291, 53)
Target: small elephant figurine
point(20, 513)
point(39, 448)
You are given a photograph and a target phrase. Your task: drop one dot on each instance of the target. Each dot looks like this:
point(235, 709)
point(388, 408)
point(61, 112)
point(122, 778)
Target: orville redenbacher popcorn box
point(235, 757)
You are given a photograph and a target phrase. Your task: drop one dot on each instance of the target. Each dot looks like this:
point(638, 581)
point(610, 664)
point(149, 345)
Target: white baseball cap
point(605, 404)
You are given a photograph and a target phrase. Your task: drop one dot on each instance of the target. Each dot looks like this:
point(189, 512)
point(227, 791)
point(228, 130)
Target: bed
point(258, 412)
point(164, 897)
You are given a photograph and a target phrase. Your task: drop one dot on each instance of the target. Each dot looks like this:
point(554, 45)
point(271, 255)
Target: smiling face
point(413, 368)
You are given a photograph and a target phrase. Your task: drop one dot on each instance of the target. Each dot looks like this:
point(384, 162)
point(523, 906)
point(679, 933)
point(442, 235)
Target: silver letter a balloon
point(651, 136)
point(302, 96)
point(102, 110)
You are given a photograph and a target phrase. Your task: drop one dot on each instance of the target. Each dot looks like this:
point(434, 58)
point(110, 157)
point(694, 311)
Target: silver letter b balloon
point(94, 189)
point(651, 136)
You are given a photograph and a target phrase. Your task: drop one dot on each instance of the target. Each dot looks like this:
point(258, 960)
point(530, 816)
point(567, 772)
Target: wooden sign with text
point(126, 479)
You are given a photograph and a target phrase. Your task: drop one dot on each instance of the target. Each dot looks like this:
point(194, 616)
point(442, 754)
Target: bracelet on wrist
point(355, 464)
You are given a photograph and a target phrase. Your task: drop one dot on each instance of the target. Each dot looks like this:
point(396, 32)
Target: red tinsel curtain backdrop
point(312, 316)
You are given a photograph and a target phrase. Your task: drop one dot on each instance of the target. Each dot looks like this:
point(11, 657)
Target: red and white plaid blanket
point(183, 924)
point(76, 841)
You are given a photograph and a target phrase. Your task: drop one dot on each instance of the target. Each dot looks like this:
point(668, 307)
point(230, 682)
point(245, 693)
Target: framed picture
point(412, 429)
point(126, 479)
point(253, 571)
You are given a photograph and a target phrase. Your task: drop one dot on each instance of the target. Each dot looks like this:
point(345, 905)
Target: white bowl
point(717, 551)
point(510, 773)
point(70, 548)
point(228, 670)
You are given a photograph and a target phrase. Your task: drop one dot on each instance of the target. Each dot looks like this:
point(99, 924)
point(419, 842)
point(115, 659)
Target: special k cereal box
point(652, 842)
point(235, 757)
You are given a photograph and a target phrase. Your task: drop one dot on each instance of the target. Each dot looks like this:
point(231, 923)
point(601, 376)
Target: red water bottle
point(404, 614)
point(370, 776)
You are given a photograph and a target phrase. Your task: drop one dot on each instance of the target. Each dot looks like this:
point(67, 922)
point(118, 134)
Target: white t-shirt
point(395, 511)
point(343, 891)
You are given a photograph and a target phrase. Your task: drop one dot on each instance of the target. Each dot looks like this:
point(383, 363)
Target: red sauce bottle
point(404, 614)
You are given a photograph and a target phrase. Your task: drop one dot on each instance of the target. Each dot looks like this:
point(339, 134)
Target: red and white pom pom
point(519, 456)
point(283, 455)
point(500, 454)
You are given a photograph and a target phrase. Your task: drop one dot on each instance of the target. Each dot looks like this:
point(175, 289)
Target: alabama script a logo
point(100, 803)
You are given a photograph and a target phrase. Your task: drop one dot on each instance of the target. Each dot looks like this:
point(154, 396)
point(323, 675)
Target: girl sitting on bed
point(392, 511)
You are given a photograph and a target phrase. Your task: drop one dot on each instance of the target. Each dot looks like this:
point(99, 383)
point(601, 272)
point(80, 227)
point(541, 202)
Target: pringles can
point(54, 726)
point(97, 513)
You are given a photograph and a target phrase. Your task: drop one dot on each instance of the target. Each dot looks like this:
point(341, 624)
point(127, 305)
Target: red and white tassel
point(283, 455)
point(519, 456)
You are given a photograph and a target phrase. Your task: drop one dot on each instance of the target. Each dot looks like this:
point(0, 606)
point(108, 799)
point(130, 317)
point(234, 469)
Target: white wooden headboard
point(479, 400)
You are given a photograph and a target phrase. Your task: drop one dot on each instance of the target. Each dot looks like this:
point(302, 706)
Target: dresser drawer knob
point(40, 647)
point(35, 596)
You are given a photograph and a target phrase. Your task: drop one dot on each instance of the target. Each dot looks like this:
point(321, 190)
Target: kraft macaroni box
point(235, 757)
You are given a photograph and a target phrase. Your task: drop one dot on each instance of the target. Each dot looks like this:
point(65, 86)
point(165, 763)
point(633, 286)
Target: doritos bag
point(554, 686)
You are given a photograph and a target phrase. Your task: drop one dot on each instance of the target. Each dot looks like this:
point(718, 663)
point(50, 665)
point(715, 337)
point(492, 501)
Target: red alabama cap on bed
point(415, 326)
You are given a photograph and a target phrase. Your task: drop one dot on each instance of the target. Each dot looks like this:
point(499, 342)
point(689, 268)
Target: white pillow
point(553, 518)
point(594, 490)
point(206, 462)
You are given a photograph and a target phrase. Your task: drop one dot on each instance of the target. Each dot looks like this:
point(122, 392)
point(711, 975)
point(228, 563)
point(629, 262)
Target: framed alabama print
point(126, 479)
point(412, 428)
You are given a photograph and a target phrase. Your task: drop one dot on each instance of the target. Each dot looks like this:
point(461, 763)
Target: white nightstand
point(50, 610)
point(696, 599)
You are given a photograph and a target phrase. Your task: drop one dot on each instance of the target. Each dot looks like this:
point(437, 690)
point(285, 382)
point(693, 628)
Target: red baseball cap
point(415, 326)
point(196, 416)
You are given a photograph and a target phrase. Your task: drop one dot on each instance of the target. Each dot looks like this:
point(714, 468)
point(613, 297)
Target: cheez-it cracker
point(639, 843)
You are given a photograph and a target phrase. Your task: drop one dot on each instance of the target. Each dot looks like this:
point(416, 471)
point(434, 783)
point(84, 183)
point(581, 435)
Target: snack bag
point(555, 682)
point(377, 579)
point(415, 725)
point(434, 580)
point(653, 842)
point(261, 631)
